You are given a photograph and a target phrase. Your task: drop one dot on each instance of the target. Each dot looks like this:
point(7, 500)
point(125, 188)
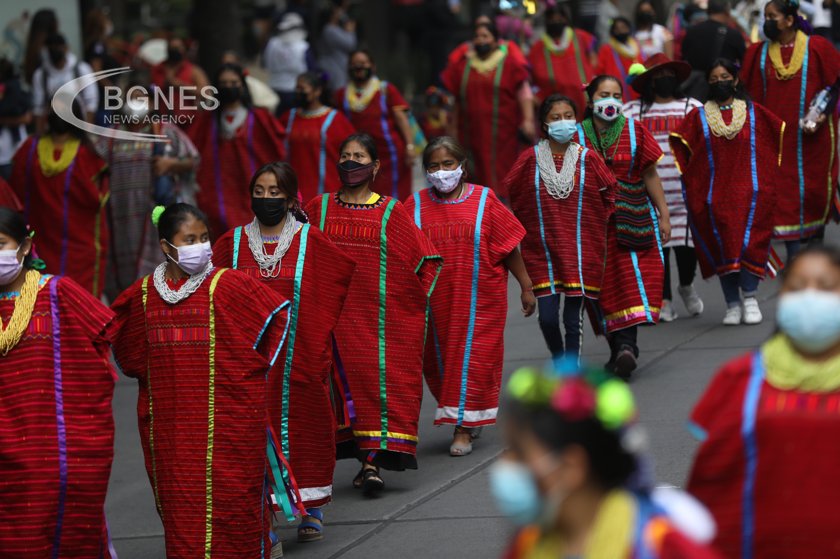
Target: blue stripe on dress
point(417, 220)
point(237, 237)
point(582, 162)
point(322, 157)
point(542, 224)
point(754, 177)
point(799, 160)
point(750, 408)
point(707, 136)
point(635, 258)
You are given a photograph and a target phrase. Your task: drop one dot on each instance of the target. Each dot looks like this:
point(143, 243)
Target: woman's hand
point(818, 124)
point(665, 229)
point(410, 156)
point(529, 302)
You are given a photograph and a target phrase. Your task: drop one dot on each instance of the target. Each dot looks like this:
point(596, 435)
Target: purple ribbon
point(348, 398)
point(59, 415)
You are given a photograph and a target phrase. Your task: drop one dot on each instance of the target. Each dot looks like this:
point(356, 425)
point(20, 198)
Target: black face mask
point(665, 86)
point(771, 30)
point(645, 18)
point(229, 95)
point(270, 211)
point(722, 91)
point(56, 56)
point(301, 100)
point(174, 56)
point(483, 49)
point(58, 125)
point(354, 174)
point(555, 29)
point(361, 73)
point(621, 37)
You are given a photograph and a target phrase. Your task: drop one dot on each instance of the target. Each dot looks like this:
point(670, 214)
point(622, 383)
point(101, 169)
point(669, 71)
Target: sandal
point(475, 433)
point(359, 479)
point(372, 483)
point(311, 528)
point(461, 449)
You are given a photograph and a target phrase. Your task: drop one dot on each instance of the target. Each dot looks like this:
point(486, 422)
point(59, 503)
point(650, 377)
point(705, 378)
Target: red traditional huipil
point(202, 407)
point(565, 245)
point(489, 113)
point(66, 209)
point(615, 59)
point(312, 143)
point(632, 290)
point(563, 67)
point(373, 112)
point(731, 191)
point(56, 426)
point(807, 177)
point(8, 198)
point(381, 332)
point(227, 165)
point(767, 462)
point(314, 275)
point(465, 341)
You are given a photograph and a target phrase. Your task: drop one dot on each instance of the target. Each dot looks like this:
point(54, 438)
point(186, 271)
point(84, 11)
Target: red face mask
point(353, 174)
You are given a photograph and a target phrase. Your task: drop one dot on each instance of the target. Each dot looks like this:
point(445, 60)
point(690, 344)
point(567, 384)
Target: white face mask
point(10, 266)
point(446, 181)
point(192, 259)
point(608, 108)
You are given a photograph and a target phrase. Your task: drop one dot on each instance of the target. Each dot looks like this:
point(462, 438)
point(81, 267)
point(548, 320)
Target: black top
point(709, 40)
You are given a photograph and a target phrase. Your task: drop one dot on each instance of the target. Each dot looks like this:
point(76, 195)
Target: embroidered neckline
point(359, 99)
point(560, 48)
point(316, 113)
point(489, 64)
point(352, 206)
point(464, 195)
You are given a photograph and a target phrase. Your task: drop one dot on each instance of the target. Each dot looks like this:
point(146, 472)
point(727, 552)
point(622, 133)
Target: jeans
point(626, 338)
point(686, 268)
point(731, 283)
point(793, 247)
point(549, 319)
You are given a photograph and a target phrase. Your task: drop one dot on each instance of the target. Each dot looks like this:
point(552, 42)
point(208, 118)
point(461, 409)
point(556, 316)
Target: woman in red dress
point(768, 423)
point(284, 252)
point(200, 341)
point(494, 106)
point(234, 141)
point(619, 53)
point(563, 194)
point(563, 60)
point(729, 152)
point(314, 131)
point(381, 332)
point(785, 73)
point(56, 423)
point(633, 280)
point(377, 108)
point(478, 238)
point(64, 189)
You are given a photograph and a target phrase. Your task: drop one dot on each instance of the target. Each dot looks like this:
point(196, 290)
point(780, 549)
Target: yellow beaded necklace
point(10, 334)
point(49, 166)
point(797, 58)
point(487, 65)
point(359, 99)
point(716, 124)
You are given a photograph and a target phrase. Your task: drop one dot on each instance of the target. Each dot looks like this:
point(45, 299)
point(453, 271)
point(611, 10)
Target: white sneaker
point(667, 314)
point(692, 301)
point(732, 316)
point(752, 314)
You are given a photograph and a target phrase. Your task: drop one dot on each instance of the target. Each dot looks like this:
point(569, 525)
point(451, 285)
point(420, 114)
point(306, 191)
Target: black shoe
point(625, 363)
point(372, 484)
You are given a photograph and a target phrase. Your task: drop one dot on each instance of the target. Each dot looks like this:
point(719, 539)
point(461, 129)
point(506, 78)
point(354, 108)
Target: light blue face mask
point(515, 490)
point(562, 131)
point(810, 318)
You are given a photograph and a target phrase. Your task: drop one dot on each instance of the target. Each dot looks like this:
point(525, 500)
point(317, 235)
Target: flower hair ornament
point(575, 394)
point(36, 263)
point(156, 213)
point(636, 69)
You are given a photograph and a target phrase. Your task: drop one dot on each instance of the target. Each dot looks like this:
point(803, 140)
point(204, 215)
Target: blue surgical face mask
point(810, 318)
point(515, 490)
point(562, 131)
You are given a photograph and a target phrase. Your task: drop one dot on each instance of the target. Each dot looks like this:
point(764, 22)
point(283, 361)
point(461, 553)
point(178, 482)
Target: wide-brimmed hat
point(639, 75)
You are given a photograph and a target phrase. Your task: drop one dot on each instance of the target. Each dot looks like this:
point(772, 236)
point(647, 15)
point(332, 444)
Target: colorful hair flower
point(615, 406)
point(156, 213)
point(574, 399)
point(530, 386)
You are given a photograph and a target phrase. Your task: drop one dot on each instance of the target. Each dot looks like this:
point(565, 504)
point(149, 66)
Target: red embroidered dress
point(731, 189)
point(809, 172)
point(56, 426)
point(465, 342)
point(202, 407)
point(381, 332)
point(312, 143)
point(314, 275)
point(564, 67)
point(67, 212)
point(615, 59)
point(376, 117)
point(632, 290)
point(489, 113)
point(766, 464)
point(227, 165)
point(565, 244)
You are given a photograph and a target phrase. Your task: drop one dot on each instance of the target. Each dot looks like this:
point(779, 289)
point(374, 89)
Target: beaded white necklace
point(173, 296)
point(558, 185)
point(270, 263)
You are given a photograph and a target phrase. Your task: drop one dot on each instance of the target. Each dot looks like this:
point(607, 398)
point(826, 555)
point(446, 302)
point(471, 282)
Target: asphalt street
point(444, 509)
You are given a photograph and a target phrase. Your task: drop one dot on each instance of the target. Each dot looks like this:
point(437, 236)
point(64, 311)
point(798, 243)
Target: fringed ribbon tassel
point(283, 489)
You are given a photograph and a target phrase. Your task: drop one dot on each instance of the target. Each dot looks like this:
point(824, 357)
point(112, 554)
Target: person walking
point(563, 194)
point(617, 55)
point(287, 55)
point(662, 109)
point(381, 332)
point(652, 37)
point(335, 43)
point(478, 238)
